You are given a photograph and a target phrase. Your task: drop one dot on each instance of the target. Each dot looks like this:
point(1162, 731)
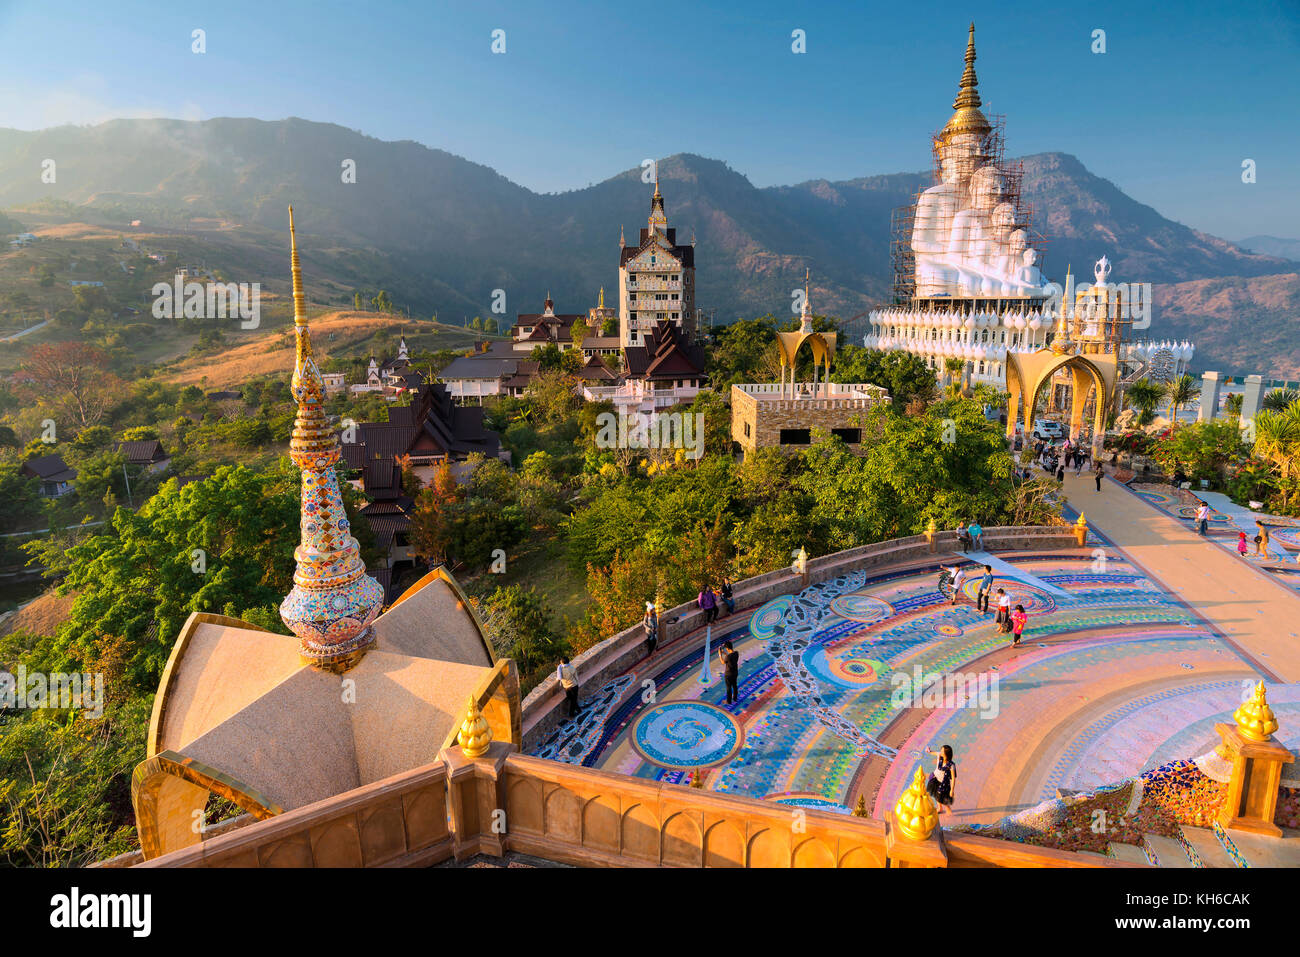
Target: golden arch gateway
point(1094, 375)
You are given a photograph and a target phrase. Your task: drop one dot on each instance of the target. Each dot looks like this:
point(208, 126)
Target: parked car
point(1049, 430)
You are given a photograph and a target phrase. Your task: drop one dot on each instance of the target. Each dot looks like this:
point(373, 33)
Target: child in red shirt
point(1018, 620)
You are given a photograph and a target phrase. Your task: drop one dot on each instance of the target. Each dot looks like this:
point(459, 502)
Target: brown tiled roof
point(142, 452)
point(664, 356)
point(49, 468)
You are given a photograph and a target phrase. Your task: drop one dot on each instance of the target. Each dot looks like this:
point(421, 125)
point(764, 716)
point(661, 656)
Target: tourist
point(976, 536)
point(1060, 473)
point(727, 598)
point(942, 785)
point(708, 603)
point(986, 586)
point(1203, 517)
point(568, 678)
point(1004, 612)
point(963, 536)
point(730, 670)
point(945, 579)
point(1018, 621)
point(1241, 544)
point(651, 622)
point(1098, 473)
point(1261, 540)
point(1080, 459)
point(959, 576)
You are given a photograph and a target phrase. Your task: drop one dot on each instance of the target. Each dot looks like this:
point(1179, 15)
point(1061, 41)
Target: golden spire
point(601, 303)
point(861, 809)
point(622, 241)
point(914, 814)
point(968, 93)
point(1081, 522)
point(1255, 719)
point(967, 118)
point(475, 735)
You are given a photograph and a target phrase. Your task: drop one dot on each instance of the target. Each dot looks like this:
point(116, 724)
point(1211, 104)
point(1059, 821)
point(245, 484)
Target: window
point(746, 430)
point(852, 436)
point(796, 436)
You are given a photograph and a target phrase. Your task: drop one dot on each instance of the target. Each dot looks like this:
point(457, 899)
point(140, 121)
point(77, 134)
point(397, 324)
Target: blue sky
point(1183, 94)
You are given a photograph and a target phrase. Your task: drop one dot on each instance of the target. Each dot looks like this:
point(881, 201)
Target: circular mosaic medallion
point(686, 734)
point(1035, 600)
point(763, 623)
point(856, 671)
point(862, 608)
point(948, 631)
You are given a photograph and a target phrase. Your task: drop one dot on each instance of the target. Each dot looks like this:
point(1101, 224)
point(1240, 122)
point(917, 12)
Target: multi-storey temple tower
point(656, 279)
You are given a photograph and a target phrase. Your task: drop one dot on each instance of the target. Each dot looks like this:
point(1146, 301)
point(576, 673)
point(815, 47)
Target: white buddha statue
point(936, 209)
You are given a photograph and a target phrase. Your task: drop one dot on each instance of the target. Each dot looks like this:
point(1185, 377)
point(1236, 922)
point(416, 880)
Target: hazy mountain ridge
point(454, 230)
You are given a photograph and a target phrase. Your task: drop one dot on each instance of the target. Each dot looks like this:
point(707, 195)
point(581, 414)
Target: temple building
point(656, 279)
point(969, 291)
point(785, 414)
point(273, 722)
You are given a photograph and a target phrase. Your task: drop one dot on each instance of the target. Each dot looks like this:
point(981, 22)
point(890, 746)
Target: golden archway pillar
point(1081, 380)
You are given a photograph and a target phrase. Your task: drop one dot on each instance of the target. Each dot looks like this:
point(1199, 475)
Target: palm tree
point(1277, 442)
point(1145, 396)
point(1232, 405)
point(1279, 399)
point(1182, 391)
point(952, 370)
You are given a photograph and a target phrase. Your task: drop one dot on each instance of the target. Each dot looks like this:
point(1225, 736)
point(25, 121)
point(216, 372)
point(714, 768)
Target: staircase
point(1212, 847)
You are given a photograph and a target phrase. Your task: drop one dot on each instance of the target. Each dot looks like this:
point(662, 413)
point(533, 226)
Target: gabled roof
point(49, 468)
point(664, 356)
point(142, 452)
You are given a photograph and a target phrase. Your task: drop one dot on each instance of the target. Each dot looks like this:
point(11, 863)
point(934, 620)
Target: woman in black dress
point(942, 785)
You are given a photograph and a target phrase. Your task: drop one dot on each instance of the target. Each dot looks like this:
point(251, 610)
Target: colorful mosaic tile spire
point(333, 601)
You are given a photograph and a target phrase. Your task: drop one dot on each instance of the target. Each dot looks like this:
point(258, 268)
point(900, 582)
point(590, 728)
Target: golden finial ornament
point(1255, 719)
point(931, 527)
point(697, 778)
point(861, 809)
point(1081, 521)
point(600, 303)
point(915, 815)
point(801, 561)
point(967, 118)
point(475, 735)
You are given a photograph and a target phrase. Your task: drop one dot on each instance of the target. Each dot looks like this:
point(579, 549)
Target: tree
point(905, 376)
point(1181, 391)
point(1232, 405)
point(72, 379)
point(225, 541)
point(356, 301)
point(1278, 399)
point(432, 531)
point(1145, 396)
point(953, 369)
point(579, 332)
point(1277, 443)
point(518, 623)
point(609, 327)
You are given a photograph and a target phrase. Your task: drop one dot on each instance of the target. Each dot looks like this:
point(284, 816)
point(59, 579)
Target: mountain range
point(440, 233)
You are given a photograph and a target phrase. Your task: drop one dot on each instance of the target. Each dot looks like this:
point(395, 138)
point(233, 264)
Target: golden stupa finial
point(915, 815)
point(600, 304)
point(697, 778)
point(658, 195)
point(475, 735)
point(967, 117)
point(1255, 719)
point(861, 809)
point(622, 240)
point(1081, 521)
point(931, 527)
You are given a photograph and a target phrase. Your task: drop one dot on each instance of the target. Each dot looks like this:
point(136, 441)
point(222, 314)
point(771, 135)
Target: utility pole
point(127, 479)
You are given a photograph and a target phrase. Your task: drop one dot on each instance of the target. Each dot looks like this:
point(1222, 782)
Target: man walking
point(568, 676)
point(730, 670)
point(1261, 539)
point(1202, 517)
point(986, 586)
point(977, 536)
point(1098, 473)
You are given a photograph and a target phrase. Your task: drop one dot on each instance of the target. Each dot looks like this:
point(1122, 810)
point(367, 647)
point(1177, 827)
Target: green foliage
point(518, 623)
point(1145, 396)
point(1201, 450)
point(904, 375)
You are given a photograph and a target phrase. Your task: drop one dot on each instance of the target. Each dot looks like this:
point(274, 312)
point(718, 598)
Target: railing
point(503, 802)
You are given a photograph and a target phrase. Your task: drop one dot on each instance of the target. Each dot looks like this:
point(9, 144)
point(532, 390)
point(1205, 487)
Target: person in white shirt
point(1202, 518)
point(568, 678)
point(959, 575)
point(1004, 611)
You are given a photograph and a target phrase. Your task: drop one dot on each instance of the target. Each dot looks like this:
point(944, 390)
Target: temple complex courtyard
point(1135, 647)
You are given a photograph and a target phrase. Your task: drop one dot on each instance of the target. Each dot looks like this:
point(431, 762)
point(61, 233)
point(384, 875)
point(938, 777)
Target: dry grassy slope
point(1240, 324)
point(271, 351)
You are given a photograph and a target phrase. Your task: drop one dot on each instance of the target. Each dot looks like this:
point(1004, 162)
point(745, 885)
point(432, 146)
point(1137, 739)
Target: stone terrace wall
point(543, 710)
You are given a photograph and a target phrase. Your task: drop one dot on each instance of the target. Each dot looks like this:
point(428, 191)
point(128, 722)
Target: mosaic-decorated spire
point(805, 314)
point(333, 600)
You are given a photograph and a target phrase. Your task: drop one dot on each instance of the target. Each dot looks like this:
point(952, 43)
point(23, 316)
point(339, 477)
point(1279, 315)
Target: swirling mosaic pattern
point(686, 734)
point(864, 609)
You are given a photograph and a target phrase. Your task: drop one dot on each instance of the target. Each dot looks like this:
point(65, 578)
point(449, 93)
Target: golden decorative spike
point(968, 94)
point(1081, 521)
point(601, 303)
point(861, 809)
point(697, 778)
point(931, 527)
point(915, 815)
point(1255, 719)
point(475, 735)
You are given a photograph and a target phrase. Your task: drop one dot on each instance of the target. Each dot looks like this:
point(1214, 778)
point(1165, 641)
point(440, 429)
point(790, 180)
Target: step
point(1130, 853)
point(1203, 848)
point(1261, 850)
point(1165, 851)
